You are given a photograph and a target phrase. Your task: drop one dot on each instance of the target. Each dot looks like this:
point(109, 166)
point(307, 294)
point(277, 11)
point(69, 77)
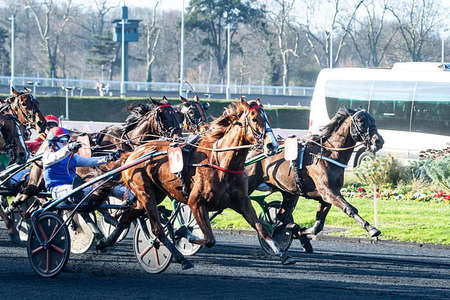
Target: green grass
point(406, 221)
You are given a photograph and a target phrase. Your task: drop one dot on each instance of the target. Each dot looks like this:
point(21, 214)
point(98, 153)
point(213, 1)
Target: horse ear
point(183, 99)
point(15, 93)
point(155, 102)
point(258, 101)
point(243, 102)
point(196, 99)
point(27, 90)
point(164, 100)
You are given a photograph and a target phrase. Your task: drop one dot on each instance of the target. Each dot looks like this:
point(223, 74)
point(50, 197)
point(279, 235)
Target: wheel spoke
point(48, 260)
point(41, 230)
point(155, 252)
point(146, 251)
point(37, 250)
point(57, 249)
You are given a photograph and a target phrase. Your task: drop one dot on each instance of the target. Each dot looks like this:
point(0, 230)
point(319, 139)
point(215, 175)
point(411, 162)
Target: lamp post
point(444, 33)
point(331, 48)
point(69, 88)
point(11, 81)
point(123, 92)
point(227, 91)
point(182, 52)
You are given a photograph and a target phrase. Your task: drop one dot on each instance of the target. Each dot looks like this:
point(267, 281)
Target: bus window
point(432, 108)
point(351, 94)
point(391, 104)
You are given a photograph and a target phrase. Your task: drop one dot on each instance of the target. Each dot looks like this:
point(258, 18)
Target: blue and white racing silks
point(60, 166)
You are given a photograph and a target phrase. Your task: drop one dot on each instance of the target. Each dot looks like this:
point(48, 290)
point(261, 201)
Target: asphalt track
point(237, 268)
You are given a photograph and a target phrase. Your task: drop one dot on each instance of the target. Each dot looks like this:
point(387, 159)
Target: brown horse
point(12, 142)
point(25, 108)
point(145, 122)
point(213, 177)
point(317, 177)
point(192, 114)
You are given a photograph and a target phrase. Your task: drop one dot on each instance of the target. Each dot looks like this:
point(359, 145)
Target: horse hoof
point(186, 265)
point(306, 244)
point(374, 232)
point(287, 260)
point(14, 238)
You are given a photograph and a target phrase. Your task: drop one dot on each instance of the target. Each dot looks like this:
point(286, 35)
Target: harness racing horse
point(213, 177)
point(12, 142)
point(26, 109)
point(146, 122)
point(192, 114)
point(318, 172)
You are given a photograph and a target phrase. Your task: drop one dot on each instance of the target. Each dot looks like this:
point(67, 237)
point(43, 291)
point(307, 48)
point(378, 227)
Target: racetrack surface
point(237, 268)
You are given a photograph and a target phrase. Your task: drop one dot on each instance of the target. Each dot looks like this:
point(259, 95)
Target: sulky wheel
point(105, 225)
point(151, 254)
point(280, 233)
point(186, 218)
point(81, 235)
point(49, 257)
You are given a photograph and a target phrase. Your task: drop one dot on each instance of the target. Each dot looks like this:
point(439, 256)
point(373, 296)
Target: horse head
point(26, 108)
point(13, 136)
point(363, 129)
point(192, 113)
point(165, 119)
point(257, 128)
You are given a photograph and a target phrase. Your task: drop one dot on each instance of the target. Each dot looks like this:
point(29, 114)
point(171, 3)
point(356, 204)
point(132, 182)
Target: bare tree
point(51, 24)
point(417, 19)
point(319, 36)
point(281, 20)
point(152, 32)
point(369, 36)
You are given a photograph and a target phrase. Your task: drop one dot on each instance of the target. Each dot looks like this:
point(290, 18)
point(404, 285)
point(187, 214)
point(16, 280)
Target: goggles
point(63, 139)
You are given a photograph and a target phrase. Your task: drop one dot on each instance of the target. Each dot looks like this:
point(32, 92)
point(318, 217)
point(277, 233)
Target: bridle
point(259, 137)
point(175, 125)
point(22, 113)
point(194, 122)
point(357, 132)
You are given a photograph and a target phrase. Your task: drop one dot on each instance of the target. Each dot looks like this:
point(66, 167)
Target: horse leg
point(336, 199)
point(159, 233)
point(201, 215)
point(287, 207)
point(125, 220)
point(13, 234)
point(322, 211)
point(244, 207)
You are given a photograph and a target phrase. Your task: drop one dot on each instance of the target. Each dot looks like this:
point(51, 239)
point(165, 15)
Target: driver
point(60, 162)
point(52, 121)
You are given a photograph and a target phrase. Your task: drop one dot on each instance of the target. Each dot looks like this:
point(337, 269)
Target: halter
point(29, 118)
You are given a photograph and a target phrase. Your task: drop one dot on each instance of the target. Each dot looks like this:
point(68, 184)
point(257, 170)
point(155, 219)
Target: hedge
point(114, 109)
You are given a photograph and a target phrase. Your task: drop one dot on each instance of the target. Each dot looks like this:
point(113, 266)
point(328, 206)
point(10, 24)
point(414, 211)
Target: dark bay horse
point(317, 178)
point(12, 143)
point(213, 177)
point(145, 122)
point(192, 114)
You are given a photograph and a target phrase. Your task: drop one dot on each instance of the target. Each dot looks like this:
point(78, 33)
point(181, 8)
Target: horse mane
point(219, 126)
point(136, 113)
point(327, 130)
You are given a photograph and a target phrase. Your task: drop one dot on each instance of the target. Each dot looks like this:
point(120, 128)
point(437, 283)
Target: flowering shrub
point(387, 192)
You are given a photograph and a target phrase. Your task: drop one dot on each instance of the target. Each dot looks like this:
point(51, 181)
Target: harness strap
point(330, 160)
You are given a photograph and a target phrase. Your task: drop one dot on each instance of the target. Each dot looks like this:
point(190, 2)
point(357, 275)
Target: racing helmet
point(56, 134)
point(52, 119)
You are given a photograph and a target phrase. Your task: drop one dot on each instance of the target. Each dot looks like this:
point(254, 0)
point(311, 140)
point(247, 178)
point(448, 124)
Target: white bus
point(410, 103)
